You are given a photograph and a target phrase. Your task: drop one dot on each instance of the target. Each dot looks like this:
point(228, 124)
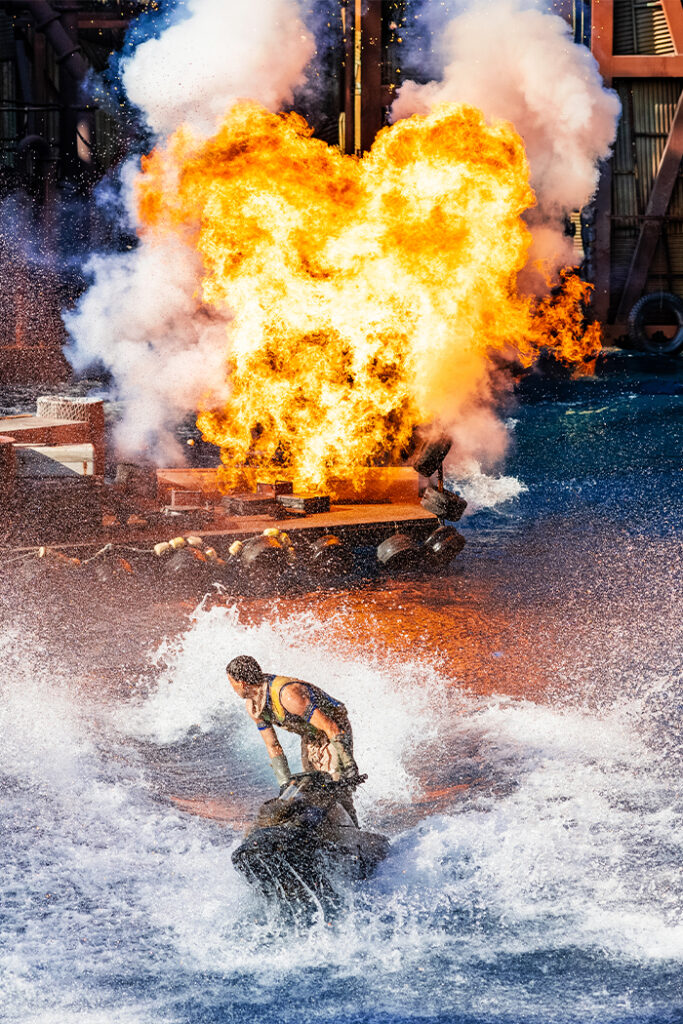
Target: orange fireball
point(367, 295)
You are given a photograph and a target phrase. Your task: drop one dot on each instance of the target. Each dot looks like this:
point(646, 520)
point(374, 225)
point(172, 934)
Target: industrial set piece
point(57, 506)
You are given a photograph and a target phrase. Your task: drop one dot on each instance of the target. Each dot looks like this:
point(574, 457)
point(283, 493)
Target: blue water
point(528, 773)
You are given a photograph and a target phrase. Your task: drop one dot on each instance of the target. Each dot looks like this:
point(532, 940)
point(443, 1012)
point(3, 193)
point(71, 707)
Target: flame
point(561, 328)
point(367, 295)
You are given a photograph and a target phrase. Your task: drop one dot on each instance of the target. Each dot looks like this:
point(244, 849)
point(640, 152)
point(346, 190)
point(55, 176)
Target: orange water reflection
point(478, 641)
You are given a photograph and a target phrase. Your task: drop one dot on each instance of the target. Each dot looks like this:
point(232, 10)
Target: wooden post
point(371, 73)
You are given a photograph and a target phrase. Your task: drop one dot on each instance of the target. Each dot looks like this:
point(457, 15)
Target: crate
point(308, 503)
point(186, 499)
point(273, 490)
point(250, 505)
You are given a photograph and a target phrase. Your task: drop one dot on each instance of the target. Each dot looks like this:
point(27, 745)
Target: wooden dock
point(363, 523)
point(355, 524)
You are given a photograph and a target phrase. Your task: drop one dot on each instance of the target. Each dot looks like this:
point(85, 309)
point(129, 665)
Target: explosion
point(366, 295)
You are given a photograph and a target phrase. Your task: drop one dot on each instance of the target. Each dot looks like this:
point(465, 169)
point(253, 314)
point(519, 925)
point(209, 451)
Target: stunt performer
point(320, 720)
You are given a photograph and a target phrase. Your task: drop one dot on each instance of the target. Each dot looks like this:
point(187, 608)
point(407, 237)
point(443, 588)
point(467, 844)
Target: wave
point(534, 848)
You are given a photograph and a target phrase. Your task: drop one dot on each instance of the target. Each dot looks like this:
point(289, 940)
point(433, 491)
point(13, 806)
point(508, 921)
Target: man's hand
point(351, 777)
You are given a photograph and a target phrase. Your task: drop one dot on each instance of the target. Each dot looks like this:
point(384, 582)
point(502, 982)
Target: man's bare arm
point(296, 699)
point(271, 741)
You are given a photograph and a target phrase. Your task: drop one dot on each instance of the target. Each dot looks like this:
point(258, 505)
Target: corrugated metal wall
point(640, 27)
point(8, 115)
point(648, 106)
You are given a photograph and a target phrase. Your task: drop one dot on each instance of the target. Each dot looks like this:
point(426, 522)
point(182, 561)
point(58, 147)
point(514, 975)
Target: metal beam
point(67, 53)
point(657, 206)
point(602, 14)
point(347, 130)
point(673, 12)
point(602, 32)
point(357, 76)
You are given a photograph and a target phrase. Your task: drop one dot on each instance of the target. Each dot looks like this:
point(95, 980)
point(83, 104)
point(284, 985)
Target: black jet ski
point(304, 841)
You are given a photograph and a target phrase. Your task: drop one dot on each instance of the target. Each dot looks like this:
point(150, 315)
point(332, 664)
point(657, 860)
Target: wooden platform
point(357, 524)
point(344, 520)
point(40, 430)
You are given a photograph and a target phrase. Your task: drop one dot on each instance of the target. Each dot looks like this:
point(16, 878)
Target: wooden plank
point(352, 521)
point(40, 430)
point(657, 206)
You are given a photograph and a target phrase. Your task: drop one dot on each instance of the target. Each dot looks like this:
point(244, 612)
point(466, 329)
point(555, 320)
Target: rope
point(108, 549)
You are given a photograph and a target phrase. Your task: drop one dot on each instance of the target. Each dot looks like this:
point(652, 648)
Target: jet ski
point(304, 841)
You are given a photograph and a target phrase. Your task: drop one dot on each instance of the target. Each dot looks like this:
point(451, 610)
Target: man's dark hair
point(245, 669)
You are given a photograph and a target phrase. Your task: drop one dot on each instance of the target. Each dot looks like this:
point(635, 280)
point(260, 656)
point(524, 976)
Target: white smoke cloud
point(141, 315)
point(166, 353)
point(518, 63)
point(226, 50)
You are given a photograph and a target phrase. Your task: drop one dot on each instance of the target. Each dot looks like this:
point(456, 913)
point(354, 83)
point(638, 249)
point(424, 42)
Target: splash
point(367, 295)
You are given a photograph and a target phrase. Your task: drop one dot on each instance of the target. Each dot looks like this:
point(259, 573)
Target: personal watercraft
point(304, 840)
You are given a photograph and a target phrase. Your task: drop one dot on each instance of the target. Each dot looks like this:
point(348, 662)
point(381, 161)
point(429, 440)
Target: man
point(299, 707)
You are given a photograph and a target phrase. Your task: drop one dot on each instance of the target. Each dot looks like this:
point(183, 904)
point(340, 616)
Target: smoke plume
point(517, 62)
point(144, 315)
point(141, 315)
point(226, 50)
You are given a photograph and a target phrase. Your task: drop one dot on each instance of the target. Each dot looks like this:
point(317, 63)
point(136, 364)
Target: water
point(519, 721)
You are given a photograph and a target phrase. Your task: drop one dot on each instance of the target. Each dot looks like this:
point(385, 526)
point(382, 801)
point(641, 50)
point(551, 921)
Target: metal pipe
point(47, 21)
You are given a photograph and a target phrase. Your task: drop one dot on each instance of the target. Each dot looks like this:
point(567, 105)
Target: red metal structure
point(638, 244)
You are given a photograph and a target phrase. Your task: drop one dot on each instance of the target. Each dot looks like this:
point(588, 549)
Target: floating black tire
point(330, 556)
point(400, 553)
point(263, 556)
point(110, 569)
point(443, 504)
point(429, 455)
point(645, 312)
point(187, 565)
point(444, 545)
